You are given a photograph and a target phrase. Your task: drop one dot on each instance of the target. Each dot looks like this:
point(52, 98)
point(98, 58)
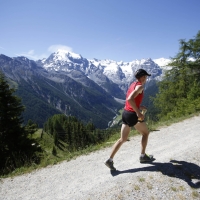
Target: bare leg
point(125, 130)
point(142, 128)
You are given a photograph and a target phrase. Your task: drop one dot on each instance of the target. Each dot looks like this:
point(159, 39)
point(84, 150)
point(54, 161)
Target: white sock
point(142, 155)
point(110, 159)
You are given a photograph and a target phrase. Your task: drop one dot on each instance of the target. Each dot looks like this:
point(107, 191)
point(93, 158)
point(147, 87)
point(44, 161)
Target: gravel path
point(175, 174)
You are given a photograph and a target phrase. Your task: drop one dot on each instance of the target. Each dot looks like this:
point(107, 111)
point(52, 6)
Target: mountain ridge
point(91, 90)
point(120, 73)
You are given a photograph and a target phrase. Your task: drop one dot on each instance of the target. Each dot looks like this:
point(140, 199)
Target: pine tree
point(179, 91)
point(15, 146)
point(31, 127)
point(11, 131)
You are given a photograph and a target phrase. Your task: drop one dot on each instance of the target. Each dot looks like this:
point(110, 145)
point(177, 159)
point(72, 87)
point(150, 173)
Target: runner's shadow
point(177, 169)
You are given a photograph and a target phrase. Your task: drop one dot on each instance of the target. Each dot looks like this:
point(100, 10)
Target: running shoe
point(146, 158)
point(110, 164)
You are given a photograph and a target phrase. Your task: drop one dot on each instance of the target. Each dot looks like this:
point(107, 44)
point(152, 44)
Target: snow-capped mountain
point(68, 83)
point(162, 62)
point(45, 93)
point(102, 72)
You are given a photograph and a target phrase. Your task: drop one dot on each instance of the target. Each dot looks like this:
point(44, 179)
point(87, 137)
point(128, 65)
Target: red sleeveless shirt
point(138, 99)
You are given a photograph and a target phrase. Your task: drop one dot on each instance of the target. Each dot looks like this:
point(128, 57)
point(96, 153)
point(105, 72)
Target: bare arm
point(131, 100)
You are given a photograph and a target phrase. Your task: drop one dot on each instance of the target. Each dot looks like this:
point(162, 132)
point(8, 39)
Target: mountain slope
point(67, 83)
point(47, 93)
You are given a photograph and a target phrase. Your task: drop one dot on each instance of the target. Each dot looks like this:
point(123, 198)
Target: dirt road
point(175, 174)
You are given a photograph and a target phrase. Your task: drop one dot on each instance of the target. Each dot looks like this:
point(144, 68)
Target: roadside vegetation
point(24, 148)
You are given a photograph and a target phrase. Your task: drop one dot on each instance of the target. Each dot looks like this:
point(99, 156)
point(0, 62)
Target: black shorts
point(129, 118)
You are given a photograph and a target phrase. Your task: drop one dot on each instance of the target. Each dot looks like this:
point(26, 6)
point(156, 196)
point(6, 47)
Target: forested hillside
point(179, 91)
point(74, 133)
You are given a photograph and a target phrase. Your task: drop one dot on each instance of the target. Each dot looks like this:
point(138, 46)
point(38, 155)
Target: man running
point(130, 117)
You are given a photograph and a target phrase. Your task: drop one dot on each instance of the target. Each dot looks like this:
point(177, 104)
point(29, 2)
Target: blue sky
point(121, 30)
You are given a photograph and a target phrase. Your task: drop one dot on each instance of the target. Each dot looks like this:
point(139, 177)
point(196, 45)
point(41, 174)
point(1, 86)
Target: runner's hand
point(140, 116)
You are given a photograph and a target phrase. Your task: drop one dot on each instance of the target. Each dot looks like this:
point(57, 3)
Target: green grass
point(37, 134)
point(136, 187)
point(174, 189)
point(195, 194)
point(153, 126)
point(47, 145)
point(117, 120)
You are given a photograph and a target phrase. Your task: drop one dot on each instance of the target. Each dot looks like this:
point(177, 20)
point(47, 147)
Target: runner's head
point(141, 72)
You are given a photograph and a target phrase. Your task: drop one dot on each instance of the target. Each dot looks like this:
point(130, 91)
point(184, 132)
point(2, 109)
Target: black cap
point(141, 72)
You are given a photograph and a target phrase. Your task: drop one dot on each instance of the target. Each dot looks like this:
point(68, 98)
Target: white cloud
point(54, 48)
point(31, 52)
